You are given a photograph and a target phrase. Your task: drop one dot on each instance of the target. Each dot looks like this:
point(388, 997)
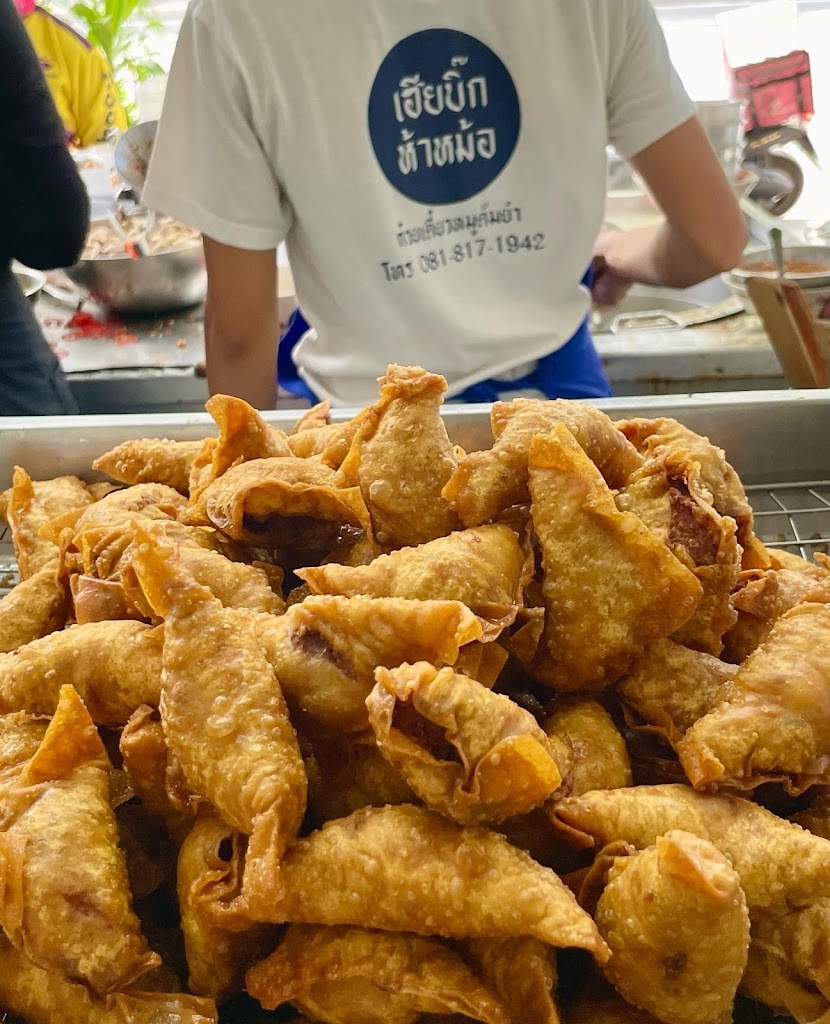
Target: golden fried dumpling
point(401, 458)
point(243, 436)
point(35, 608)
point(114, 666)
point(151, 461)
point(675, 919)
point(781, 866)
point(488, 482)
point(209, 876)
point(326, 649)
point(224, 715)
point(468, 753)
point(522, 973)
point(599, 757)
point(65, 899)
point(773, 724)
point(32, 506)
point(465, 882)
point(315, 436)
point(611, 588)
point(355, 976)
point(41, 997)
point(484, 568)
point(672, 687)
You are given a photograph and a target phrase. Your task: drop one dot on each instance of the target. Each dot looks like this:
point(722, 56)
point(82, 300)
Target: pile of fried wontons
point(378, 731)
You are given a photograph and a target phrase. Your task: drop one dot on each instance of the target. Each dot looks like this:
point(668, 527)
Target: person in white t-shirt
point(437, 169)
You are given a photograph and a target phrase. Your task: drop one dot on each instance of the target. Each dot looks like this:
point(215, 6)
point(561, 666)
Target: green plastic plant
point(124, 30)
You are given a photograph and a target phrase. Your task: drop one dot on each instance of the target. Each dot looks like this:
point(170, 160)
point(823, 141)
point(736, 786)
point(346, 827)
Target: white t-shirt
point(436, 167)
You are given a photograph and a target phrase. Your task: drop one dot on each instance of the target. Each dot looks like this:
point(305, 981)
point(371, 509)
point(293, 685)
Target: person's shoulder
point(41, 20)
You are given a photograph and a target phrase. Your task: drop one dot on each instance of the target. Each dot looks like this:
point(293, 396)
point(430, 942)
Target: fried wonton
point(69, 914)
point(484, 568)
point(114, 666)
point(151, 461)
point(34, 505)
point(789, 963)
point(611, 587)
point(781, 866)
point(466, 882)
point(401, 458)
point(315, 436)
point(267, 501)
point(774, 722)
point(355, 976)
point(243, 436)
point(816, 818)
point(599, 757)
point(41, 997)
point(156, 501)
point(665, 440)
point(670, 498)
point(488, 482)
point(346, 773)
point(780, 558)
point(144, 752)
point(468, 753)
point(760, 600)
point(224, 715)
point(522, 973)
point(35, 608)
point(209, 873)
point(672, 687)
point(325, 650)
point(675, 919)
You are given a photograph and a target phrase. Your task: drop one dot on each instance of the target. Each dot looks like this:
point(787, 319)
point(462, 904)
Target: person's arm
point(241, 323)
point(704, 233)
point(47, 209)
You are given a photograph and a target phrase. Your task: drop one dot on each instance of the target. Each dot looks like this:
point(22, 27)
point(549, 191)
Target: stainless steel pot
point(161, 283)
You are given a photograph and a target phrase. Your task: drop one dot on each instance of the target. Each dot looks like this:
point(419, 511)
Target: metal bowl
point(31, 282)
point(162, 283)
point(809, 253)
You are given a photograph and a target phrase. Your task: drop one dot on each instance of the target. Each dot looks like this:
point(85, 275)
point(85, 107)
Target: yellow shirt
point(79, 77)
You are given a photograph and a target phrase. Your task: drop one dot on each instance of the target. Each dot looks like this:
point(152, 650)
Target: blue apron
point(573, 371)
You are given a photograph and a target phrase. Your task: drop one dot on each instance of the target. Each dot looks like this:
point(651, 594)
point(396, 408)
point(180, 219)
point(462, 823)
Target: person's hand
point(609, 287)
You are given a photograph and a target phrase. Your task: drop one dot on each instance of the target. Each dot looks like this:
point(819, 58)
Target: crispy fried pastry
point(401, 458)
point(42, 997)
point(611, 587)
point(599, 757)
point(484, 568)
point(267, 501)
point(466, 882)
point(209, 873)
point(522, 973)
point(69, 914)
point(325, 650)
point(675, 919)
point(781, 866)
point(114, 666)
point(219, 687)
point(773, 724)
point(486, 483)
point(672, 687)
point(34, 505)
point(35, 608)
point(355, 976)
point(151, 461)
point(468, 753)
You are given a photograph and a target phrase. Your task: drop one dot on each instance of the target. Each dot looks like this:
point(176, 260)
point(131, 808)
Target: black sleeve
point(45, 206)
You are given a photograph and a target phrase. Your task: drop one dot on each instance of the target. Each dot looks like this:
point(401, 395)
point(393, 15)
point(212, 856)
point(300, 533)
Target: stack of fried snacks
point(350, 726)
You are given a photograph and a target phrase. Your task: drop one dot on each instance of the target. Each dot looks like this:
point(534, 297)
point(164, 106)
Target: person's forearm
point(661, 256)
point(245, 367)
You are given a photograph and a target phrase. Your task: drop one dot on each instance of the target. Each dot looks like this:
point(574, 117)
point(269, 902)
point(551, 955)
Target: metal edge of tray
point(769, 437)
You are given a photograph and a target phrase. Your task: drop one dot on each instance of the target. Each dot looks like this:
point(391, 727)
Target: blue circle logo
point(444, 117)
